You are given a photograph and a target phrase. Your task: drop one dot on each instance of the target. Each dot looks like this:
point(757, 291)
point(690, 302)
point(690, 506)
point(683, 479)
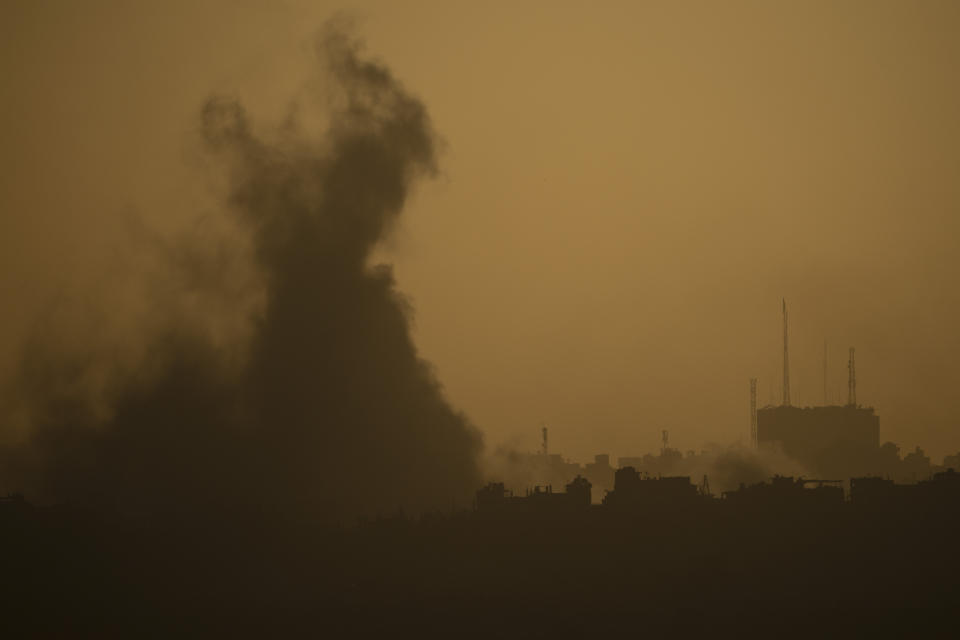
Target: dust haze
point(615, 220)
point(613, 226)
point(478, 325)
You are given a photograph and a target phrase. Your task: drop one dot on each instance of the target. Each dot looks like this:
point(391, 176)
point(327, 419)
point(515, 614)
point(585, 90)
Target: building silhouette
point(495, 498)
point(634, 489)
point(823, 439)
point(787, 493)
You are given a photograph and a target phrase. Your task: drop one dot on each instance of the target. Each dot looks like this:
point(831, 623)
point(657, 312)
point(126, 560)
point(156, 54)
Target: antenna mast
point(544, 430)
point(852, 380)
point(753, 412)
point(786, 359)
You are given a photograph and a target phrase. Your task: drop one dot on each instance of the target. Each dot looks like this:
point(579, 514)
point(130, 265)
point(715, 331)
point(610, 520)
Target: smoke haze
point(625, 197)
point(273, 365)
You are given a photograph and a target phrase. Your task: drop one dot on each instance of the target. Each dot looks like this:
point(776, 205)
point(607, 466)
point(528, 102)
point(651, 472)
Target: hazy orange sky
point(627, 190)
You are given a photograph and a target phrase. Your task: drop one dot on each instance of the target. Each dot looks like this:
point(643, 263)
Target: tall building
point(824, 439)
point(841, 440)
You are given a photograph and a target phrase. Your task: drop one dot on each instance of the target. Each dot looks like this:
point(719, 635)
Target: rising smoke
point(325, 406)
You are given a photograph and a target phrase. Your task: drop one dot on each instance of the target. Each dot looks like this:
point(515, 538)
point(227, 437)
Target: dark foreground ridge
point(659, 556)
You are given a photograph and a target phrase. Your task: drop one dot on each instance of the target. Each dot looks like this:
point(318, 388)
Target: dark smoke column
point(356, 419)
point(331, 413)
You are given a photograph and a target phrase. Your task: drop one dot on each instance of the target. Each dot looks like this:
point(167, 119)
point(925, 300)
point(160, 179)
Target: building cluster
point(636, 492)
point(552, 469)
point(787, 447)
point(828, 441)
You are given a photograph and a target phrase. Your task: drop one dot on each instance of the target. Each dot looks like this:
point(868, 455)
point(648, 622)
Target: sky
point(626, 191)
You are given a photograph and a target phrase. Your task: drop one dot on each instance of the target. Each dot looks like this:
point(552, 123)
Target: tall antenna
point(753, 411)
point(544, 431)
point(852, 380)
point(825, 401)
point(786, 359)
point(665, 434)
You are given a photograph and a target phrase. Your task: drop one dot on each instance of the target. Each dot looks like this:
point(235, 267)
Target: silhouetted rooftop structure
point(496, 498)
point(941, 490)
point(631, 488)
point(786, 492)
point(600, 472)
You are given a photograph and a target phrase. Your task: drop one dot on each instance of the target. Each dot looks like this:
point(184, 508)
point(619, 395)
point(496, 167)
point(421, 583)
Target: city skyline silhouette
point(344, 319)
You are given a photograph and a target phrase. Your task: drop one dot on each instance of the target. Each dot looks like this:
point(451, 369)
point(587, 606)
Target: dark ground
point(715, 571)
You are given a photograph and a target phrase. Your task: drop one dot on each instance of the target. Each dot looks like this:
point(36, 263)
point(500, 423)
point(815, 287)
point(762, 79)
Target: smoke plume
point(324, 407)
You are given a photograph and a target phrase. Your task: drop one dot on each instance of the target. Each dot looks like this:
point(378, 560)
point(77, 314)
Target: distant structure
point(828, 439)
point(835, 440)
point(544, 445)
point(665, 435)
point(874, 492)
point(753, 412)
point(495, 498)
point(786, 359)
point(599, 472)
point(786, 493)
point(852, 380)
point(820, 437)
point(632, 489)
